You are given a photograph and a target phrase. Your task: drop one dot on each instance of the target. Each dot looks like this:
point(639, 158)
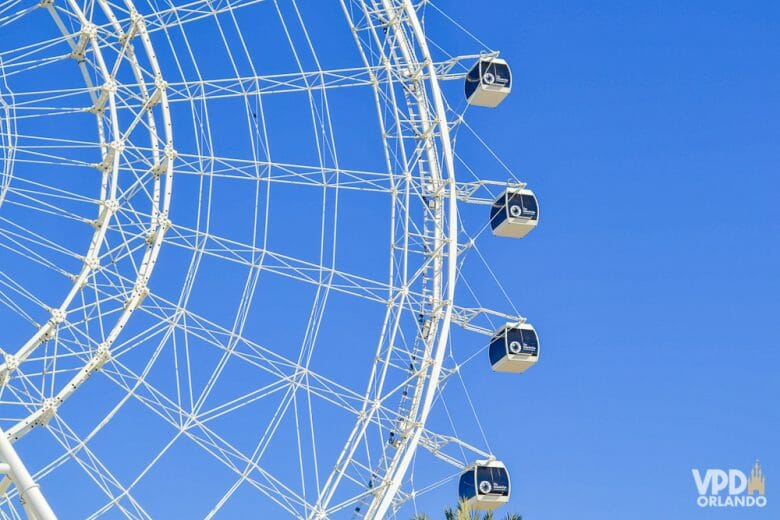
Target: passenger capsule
point(514, 348)
point(485, 485)
point(515, 213)
point(488, 82)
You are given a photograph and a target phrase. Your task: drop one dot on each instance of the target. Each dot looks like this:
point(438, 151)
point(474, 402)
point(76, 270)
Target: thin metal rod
point(29, 491)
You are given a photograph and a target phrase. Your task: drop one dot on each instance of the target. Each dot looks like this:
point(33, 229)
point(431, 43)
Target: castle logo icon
point(757, 481)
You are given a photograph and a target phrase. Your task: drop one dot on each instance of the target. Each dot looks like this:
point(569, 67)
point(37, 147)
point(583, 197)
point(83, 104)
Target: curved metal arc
point(391, 322)
point(108, 209)
point(384, 501)
point(402, 52)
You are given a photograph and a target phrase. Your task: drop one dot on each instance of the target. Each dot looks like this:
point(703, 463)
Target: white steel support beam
point(30, 493)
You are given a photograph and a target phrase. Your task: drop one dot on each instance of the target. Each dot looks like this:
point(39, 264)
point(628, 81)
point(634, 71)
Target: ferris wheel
point(231, 233)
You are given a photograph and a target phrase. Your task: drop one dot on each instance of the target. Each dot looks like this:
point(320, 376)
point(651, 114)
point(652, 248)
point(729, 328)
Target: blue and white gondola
point(514, 348)
point(488, 82)
point(514, 213)
point(484, 486)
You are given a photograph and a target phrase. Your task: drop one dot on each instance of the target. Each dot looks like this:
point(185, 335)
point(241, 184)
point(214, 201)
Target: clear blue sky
point(650, 132)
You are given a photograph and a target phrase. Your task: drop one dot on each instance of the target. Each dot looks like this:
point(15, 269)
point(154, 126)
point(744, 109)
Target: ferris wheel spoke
point(9, 301)
point(27, 61)
point(9, 69)
point(44, 208)
point(21, 100)
point(30, 105)
point(266, 359)
point(13, 17)
point(261, 446)
point(6, 5)
point(291, 267)
point(38, 142)
point(267, 484)
point(26, 239)
point(248, 398)
point(26, 113)
point(33, 156)
point(221, 449)
point(15, 246)
point(36, 190)
point(304, 81)
point(92, 307)
point(272, 363)
point(284, 265)
point(262, 85)
point(96, 470)
point(20, 292)
point(206, 438)
point(366, 469)
point(36, 48)
point(171, 317)
point(140, 475)
point(320, 176)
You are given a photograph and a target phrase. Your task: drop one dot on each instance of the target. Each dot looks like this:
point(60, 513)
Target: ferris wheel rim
point(110, 205)
point(383, 502)
point(7, 140)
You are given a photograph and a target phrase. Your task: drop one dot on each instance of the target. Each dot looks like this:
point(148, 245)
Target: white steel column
point(30, 493)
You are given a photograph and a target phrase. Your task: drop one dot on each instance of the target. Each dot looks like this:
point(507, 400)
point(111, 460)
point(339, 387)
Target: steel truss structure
point(123, 296)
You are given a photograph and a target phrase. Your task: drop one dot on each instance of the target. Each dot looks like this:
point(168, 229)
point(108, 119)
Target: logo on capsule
point(515, 347)
point(730, 488)
point(485, 487)
point(516, 211)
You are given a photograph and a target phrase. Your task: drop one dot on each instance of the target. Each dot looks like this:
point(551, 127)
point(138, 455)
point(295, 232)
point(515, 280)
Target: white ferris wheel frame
point(411, 56)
